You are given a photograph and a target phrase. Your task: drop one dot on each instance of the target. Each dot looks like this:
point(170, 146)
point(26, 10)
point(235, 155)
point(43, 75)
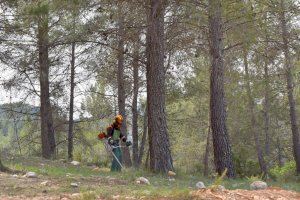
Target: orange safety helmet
point(119, 119)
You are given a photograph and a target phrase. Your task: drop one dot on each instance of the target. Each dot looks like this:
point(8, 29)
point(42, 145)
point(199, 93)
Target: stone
point(15, 176)
point(75, 185)
point(45, 183)
point(142, 181)
point(75, 163)
point(68, 174)
point(31, 175)
point(220, 188)
point(171, 179)
point(130, 198)
point(116, 197)
point(258, 185)
point(96, 169)
point(76, 195)
point(200, 185)
point(171, 173)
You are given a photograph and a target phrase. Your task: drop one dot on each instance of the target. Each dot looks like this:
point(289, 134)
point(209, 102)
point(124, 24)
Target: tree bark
point(279, 153)
point(71, 108)
point(160, 153)
point(290, 88)
point(2, 167)
point(147, 163)
point(120, 79)
point(221, 144)
point(144, 137)
point(135, 137)
point(251, 108)
point(17, 134)
point(267, 109)
point(47, 128)
point(206, 155)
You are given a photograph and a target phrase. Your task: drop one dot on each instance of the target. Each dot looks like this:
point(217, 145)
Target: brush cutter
point(109, 148)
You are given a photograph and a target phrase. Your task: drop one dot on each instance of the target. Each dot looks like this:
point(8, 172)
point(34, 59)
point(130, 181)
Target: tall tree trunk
point(147, 163)
point(135, 137)
point(221, 143)
point(120, 79)
point(267, 109)
point(17, 134)
point(279, 153)
point(290, 89)
point(251, 108)
point(144, 137)
point(160, 153)
point(71, 109)
point(3, 168)
point(206, 154)
point(47, 128)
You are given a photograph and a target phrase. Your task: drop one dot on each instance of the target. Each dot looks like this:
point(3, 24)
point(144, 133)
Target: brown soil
point(271, 193)
point(22, 188)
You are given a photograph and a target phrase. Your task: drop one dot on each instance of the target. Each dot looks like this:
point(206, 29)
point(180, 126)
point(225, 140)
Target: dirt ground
point(49, 188)
point(271, 193)
point(22, 188)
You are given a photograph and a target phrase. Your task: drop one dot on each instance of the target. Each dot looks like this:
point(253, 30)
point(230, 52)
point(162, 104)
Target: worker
point(114, 136)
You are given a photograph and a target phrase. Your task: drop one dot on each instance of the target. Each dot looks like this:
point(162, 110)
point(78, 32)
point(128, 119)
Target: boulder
point(75, 163)
point(200, 185)
point(143, 181)
point(31, 175)
point(258, 185)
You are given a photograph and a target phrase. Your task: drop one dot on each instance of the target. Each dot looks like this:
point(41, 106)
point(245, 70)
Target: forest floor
point(55, 178)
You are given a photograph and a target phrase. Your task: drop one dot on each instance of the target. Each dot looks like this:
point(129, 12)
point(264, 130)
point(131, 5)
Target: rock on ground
point(219, 188)
point(200, 185)
point(75, 195)
point(142, 180)
point(96, 169)
point(45, 183)
point(258, 185)
point(31, 175)
point(171, 173)
point(74, 185)
point(75, 163)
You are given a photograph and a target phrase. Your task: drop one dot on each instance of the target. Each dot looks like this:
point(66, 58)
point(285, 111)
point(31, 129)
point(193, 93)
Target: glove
point(101, 136)
point(111, 141)
point(128, 143)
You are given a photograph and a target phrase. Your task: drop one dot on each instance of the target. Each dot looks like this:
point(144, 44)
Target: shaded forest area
point(204, 86)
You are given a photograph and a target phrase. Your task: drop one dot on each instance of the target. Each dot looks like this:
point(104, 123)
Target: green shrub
point(245, 166)
point(287, 172)
point(251, 179)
